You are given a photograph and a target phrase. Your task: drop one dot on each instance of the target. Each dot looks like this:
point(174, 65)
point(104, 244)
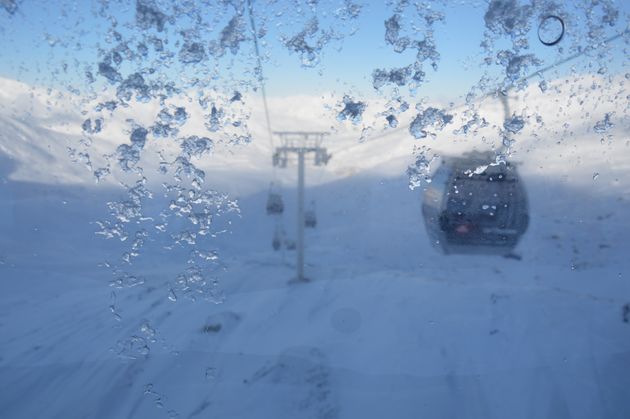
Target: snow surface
point(387, 326)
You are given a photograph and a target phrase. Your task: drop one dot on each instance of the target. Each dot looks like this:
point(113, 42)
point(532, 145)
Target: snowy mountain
point(387, 326)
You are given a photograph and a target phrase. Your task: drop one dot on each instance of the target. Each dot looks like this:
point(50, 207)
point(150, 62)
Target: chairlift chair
point(275, 205)
point(310, 216)
point(310, 219)
point(280, 159)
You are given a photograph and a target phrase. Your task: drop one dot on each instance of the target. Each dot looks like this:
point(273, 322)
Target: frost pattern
point(351, 110)
point(9, 5)
point(318, 29)
point(396, 76)
point(137, 58)
point(192, 52)
point(166, 206)
point(109, 72)
point(471, 126)
point(603, 126)
point(420, 39)
point(307, 44)
point(429, 118)
point(149, 16)
point(508, 17)
point(420, 171)
point(514, 124)
point(516, 66)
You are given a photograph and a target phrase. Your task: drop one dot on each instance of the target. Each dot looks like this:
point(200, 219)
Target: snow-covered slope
point(386, 327)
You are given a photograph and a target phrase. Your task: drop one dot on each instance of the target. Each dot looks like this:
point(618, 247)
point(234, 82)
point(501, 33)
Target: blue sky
point(76, 30)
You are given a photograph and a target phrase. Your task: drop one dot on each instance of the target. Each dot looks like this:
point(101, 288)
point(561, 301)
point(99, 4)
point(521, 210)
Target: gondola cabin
point(472, 207)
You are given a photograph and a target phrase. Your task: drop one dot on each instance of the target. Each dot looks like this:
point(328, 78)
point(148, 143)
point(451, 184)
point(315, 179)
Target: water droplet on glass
point(211, 373)
point(392, 121)
point(365, 133)
point(604, 125)
point(551, 30)
point(543, 86)
point(171, 295)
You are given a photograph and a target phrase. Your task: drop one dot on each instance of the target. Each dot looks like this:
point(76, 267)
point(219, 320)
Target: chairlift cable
point(279, 223)
point(261, 79)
